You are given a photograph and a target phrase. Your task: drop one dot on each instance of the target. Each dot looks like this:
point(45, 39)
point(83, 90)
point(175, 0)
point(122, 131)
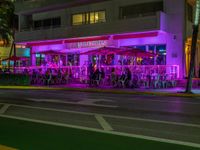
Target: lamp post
point(193, 47)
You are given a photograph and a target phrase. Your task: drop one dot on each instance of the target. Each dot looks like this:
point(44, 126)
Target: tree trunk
point(10, 54)
point(192, 60)
point(14, 70)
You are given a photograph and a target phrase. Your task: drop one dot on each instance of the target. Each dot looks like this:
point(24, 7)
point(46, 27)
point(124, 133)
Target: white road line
point(104, 124)
point(74, 103)
point(172, 101)
point(111, 116)
point(4, 108)
point(189, 144)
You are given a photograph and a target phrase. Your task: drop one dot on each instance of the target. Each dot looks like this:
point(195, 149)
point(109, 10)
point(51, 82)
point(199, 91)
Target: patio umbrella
point(103, 51)
point(136, 52)
point(16, 58)
point(50, 52)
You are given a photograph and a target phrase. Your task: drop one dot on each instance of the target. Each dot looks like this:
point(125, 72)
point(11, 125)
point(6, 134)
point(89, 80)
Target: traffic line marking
point(4, 109)
point(111, 116)
point(90, 102)
point(2, 147)
point(104, 124)
point(162, 140)
point(105, 115)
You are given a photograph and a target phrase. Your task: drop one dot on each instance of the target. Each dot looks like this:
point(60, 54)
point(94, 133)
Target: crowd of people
point(51, 76)
point(98, 76)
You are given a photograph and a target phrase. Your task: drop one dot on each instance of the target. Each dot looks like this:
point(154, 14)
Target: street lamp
point(193, 47)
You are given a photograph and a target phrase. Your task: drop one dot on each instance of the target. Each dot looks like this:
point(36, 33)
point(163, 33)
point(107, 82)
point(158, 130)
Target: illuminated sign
point(88, 44)
point(20, 46)
point(196, 21)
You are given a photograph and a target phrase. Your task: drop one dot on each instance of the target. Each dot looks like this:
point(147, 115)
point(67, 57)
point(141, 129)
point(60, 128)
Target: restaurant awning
point(103, 51)
point(50, 52)
point(123, 51)
point(16, 58)
point(136, 53)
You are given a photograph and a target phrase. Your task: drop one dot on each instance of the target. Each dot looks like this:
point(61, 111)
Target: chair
point(155, 80)
point(121, 81)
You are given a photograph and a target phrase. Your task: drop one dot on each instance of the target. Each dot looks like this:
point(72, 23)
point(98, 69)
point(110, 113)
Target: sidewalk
point(177, 92)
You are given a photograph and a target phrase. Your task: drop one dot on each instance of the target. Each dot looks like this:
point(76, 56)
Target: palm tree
point(6, 20)
point(193, 47)
point(7, 30)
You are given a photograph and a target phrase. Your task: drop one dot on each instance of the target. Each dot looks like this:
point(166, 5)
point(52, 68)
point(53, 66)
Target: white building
point(73, 26)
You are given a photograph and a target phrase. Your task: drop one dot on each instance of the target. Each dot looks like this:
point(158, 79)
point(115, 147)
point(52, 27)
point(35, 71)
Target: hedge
point(14, 79)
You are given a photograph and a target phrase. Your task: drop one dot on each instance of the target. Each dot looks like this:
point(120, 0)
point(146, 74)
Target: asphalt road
point(169, 118)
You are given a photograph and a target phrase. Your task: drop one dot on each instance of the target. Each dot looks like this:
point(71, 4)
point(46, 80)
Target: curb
point(95, 90)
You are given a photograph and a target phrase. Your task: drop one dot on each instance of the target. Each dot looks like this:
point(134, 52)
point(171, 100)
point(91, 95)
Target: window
point(101, 16)
point(92, 17)
point(56, 22)
point(47, 23)
point(89, 18)
point(37, 24)
point(78, 19)
point(140, 10)
point(161, 52)
point(190, 12)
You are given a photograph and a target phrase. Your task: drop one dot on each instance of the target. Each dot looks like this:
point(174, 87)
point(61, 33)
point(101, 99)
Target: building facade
point(163, 27)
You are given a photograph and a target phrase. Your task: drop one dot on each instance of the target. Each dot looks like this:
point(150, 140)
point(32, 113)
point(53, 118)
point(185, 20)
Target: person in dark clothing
point(128, 77)
point(91, 73)
point(102, 73)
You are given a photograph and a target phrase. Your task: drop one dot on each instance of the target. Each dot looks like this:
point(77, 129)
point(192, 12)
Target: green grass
point(34, 136)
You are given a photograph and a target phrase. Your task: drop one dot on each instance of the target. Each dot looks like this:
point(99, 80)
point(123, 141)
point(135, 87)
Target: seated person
point(127, 77)
point(113, 77)
point(102, 73)
point(96, 77)
point(97, 74)
point(48, 76)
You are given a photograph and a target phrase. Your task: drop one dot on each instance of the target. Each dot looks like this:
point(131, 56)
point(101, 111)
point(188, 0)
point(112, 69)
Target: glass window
point(161, 54)
point(37, 24)
point(190, 12)
point(56, 22)
point(47, 23)
point(78, 19)
point(100, 16)
point(89, 18)
point(73, 59)
point(140, 10)
point(92, 18)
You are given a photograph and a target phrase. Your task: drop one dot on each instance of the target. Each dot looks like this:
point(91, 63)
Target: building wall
point(171, 21)
point(175, 10)
point(113, 23)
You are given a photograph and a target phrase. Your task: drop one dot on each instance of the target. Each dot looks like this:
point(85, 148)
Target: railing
point(83, 72)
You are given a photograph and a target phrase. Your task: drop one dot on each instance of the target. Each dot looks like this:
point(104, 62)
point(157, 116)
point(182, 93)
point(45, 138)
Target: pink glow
point(116, 40)
point(171, 70)
point(137, 35)
point(92, 38)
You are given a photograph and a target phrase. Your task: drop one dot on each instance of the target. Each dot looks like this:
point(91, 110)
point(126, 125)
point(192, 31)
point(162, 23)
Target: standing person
point(128, 77)
point(91, 72)
point(199, 70)
point(102, 73)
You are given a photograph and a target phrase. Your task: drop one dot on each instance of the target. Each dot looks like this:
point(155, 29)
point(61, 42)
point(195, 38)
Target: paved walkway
point(178, 91)
point(166, 90)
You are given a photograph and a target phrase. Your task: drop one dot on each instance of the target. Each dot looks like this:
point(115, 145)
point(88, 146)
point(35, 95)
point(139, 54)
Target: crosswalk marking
point(89, 102)
point(4, 109)
point(104, 124)
point(195, 145)
point(106, 115)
